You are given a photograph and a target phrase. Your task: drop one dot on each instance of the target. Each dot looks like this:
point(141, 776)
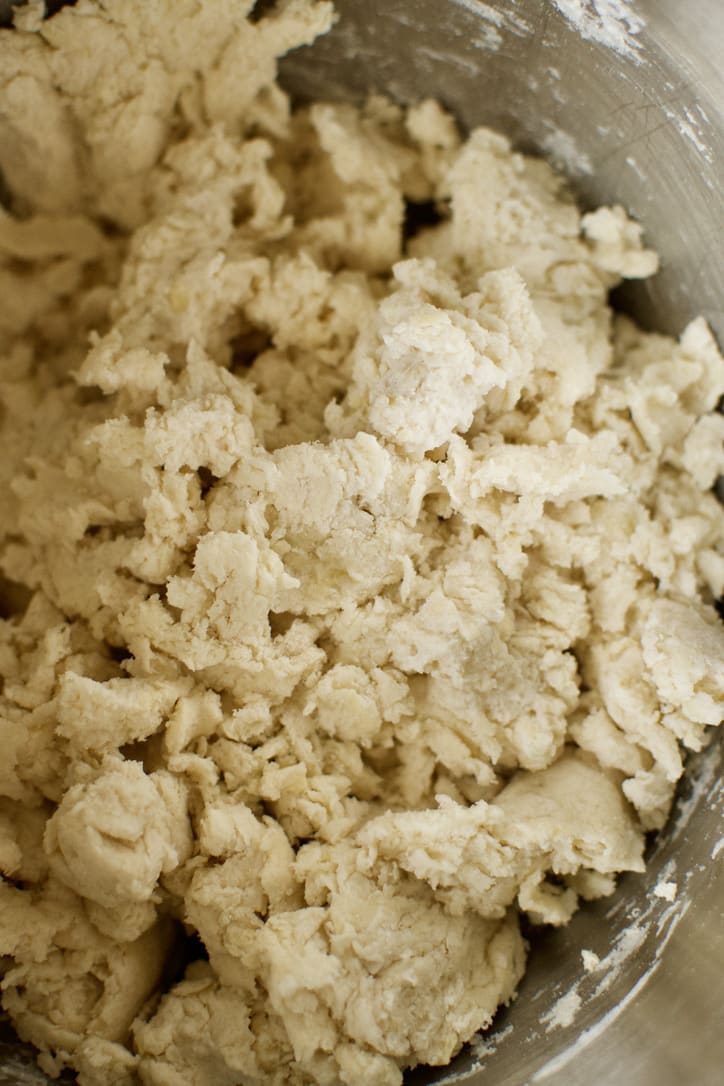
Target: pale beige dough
point(358, 594)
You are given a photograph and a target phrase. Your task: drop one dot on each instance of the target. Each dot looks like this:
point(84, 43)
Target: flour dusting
point(493, 21)
point(563, 1011)
point(609, 22)
point(561, 148)
point(692, 128)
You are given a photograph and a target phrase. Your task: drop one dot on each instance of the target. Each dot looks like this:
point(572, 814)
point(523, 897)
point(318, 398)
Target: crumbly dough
point(358, 594)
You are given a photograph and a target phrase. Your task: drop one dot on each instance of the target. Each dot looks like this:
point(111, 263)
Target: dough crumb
point(666, 890)
point(591, 961)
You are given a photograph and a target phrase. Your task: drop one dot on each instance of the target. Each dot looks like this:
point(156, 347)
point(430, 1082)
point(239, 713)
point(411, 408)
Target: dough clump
point(358, 580)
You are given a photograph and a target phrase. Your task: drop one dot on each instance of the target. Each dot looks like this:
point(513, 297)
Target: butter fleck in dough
point(357, 595)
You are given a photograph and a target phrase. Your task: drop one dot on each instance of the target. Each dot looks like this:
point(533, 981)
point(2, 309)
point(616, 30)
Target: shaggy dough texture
point(358, 596)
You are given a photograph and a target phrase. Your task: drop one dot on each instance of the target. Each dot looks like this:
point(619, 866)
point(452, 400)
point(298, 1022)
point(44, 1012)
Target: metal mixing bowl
point(628, 97)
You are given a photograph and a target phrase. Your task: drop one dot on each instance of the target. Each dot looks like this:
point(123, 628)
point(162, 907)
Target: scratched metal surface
point(632, 106)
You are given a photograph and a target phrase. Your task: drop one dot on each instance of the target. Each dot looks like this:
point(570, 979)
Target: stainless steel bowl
point(628, 97)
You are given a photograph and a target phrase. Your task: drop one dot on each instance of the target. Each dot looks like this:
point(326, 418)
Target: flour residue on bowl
point(645, 934)
point(705, 791)
point(612, 23)
point(14, 1072)
point(692, 122)
point(484, 1045)
point(561, 148)
point(493, 21)
point(563, 1011)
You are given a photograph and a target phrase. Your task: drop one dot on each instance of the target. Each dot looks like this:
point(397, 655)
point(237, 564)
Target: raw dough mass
point(358, 595)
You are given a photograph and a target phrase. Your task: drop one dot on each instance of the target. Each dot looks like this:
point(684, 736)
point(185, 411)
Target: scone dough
point(358, 591)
